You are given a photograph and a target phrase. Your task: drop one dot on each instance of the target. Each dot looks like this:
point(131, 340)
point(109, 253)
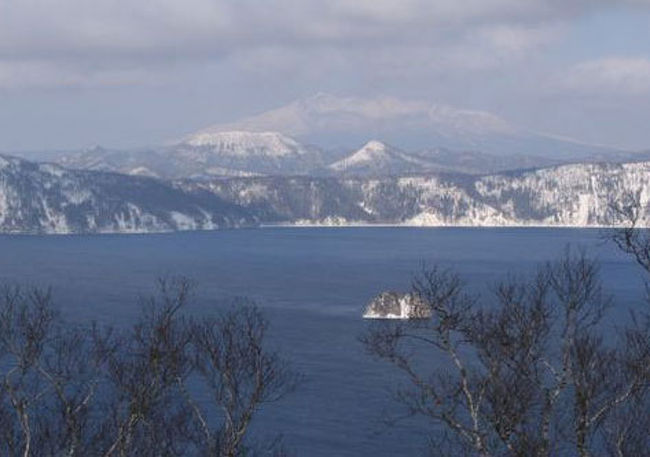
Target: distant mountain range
point(45, 198)
point(202, 155)
point(434, 165)
point(240, 153)
point(380, 159)
point(328, 135)
point(340, 122)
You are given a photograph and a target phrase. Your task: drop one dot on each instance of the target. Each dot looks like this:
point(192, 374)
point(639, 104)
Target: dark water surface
point(312, 284)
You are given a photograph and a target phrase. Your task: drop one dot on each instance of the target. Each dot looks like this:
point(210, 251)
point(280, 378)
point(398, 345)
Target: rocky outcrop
point(394, 305)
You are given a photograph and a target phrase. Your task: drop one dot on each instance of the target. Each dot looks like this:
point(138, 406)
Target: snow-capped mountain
point(430, 138)
point(204, 154)
point(333, 121)
point(247, 152)
point(376, 158)
point(241, 154)
point(45, 198)
point(379, 159)
point(323, 113)
point(242, 143)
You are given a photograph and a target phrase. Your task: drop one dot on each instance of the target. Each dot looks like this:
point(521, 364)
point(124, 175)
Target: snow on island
point(394, 305)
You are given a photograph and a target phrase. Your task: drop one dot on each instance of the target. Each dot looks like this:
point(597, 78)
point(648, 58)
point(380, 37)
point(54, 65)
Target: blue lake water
point(312, 284)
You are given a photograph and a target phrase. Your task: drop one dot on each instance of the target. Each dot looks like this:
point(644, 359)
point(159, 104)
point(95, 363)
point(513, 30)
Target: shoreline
point(487, 226)
point(311, 226)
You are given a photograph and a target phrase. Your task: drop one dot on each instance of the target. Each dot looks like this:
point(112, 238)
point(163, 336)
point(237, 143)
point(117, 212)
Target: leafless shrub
point(630, 237)
point(240, 374)
point(527, 373)
point(91, 391)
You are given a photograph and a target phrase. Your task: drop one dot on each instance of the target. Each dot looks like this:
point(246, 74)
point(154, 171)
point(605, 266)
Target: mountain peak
point(334, 121)
point(334, 116)
point(375, 145)
point(373, 150)
point(373, 155)
point(242, 142)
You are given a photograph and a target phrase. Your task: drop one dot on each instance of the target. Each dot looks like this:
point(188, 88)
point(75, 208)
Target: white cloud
point(139, 34)
point(51, 74)
point(124, 26)
point(216, 60)
point(609, 76)
point(518, 39)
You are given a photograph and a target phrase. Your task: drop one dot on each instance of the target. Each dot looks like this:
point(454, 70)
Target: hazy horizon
point(122, 74)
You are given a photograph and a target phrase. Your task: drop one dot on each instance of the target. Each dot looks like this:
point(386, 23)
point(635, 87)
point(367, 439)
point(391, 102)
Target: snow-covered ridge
point(45, 198)
point(216, 152)
point(565, 196)
point(247, 143)
point(205, 154)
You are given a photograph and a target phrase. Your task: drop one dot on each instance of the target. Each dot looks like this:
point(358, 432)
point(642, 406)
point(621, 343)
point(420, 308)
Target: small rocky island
point(395, 305)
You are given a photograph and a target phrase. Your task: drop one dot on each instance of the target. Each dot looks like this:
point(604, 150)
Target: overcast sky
point(122, 73)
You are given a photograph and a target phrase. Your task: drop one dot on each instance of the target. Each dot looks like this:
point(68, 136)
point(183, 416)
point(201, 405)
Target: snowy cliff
point(577, 195)
point(43, 198)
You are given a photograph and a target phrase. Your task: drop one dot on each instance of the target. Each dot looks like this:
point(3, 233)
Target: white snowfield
point(243, 143)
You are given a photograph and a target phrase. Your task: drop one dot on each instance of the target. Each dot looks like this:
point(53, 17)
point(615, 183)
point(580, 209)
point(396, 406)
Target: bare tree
point(25, 322)
point(527, 373)
point(72, 369)
point(148, 417)
point(240, 374)
point(628, 428)
point(69, 390)
point(630, 237)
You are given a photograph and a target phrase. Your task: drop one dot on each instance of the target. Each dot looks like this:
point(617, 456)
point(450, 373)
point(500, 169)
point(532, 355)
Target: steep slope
point(43, 198)
point(578, 195)
point(570, 195)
